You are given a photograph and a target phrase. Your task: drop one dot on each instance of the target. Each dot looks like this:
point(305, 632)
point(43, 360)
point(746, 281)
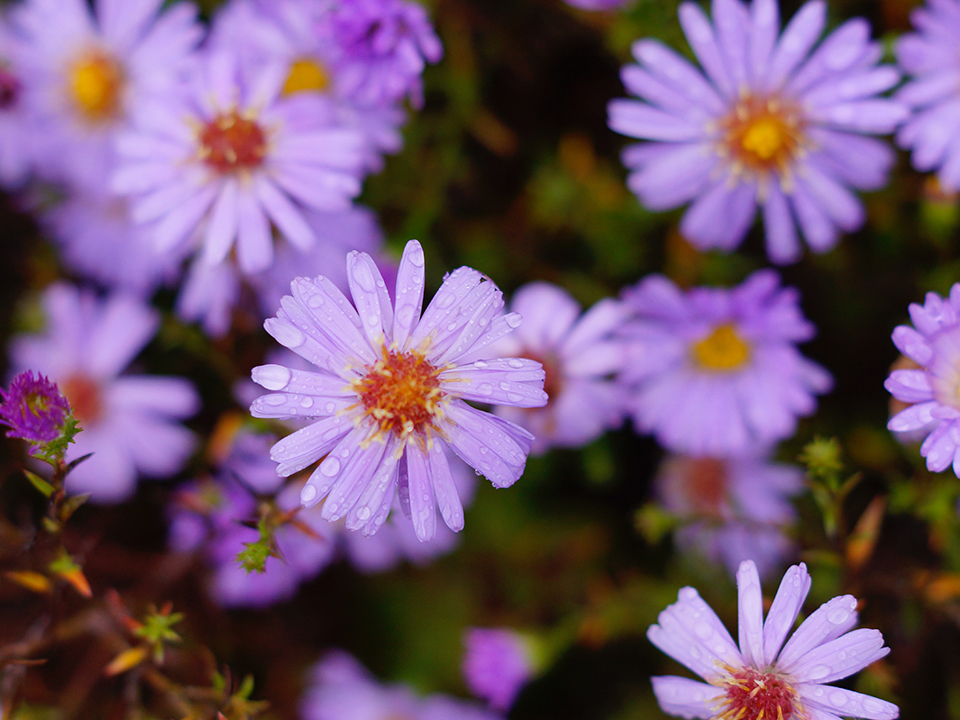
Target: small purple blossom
point(933, 390)
point(34, 409)
point(769, 122)
point(580, 353)
point(496, 665)
point(765, 677)
point(731, 509)
point(931, 56)
point(716, 371)
point(390, 392)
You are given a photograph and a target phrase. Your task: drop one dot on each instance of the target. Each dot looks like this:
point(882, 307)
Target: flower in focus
point(932, 390)
point(931, 56)
point(339, 688)
point(765, 678)
point(716, 372)
point(579, 354)
point(85, 69)
point(769, 121)
point(35, 410)
point(496, 665)
point(390, 392)
point(130, 422)
point(231, 156)
point(732, 509)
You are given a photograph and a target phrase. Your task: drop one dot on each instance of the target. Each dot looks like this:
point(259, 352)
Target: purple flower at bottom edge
point(765, 677)
point(770, 121)
point(34, 409)
point(496, 665)
point(390, 392)
point(933, 390)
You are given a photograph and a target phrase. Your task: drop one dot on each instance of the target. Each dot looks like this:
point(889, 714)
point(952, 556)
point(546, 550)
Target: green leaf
point(39, 483)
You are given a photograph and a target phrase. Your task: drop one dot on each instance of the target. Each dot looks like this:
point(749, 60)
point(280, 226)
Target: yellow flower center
point(401, 393)
point(232, 142)
point(723, 349)
point(763, 135)
point(754, 695)
point(306, 75)
point(96, 83)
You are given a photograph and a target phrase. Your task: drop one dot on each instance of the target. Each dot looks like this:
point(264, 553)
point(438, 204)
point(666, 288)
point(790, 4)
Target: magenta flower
point(496, 665)
point(933, 391)
point(390, 392)
point(231, 157)
point(768, 122)
point(931, 56)
point(764, 678)
point(130, 422)
point(716, 372)
point(580, 353)
point(34, 409)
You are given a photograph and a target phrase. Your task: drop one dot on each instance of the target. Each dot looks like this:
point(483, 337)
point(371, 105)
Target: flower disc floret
point(96, 86)
point(232, 142)
point(753, 695)
point(34, 409)
point(763, 135)
point(723, 349)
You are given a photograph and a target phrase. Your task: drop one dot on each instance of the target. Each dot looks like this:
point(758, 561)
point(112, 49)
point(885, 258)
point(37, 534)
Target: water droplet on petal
point(363, 513)
point(314, 301)
point(415, 255)
point(480, 364)
point(818, 671)
point(373, 320)
point(362, 276)
point(443, 299)
point(484, 389)
point(307, 495)
point(306, 402)
point(838, 615)
point(275, 400)
point(504, 385)
point(272, 377)
point(330, 466)
point(513, 320)
point(287, 335)
point(514, 397)
point(405, 314)
point(329, 408)
point(515, 363)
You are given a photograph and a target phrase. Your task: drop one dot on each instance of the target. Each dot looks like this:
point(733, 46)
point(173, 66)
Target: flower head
point(36, 411)
point(769, 121)
point(716, 371)
point(932, 57)
point(390, 392)
point(766, 678)
point(496, 665)
point(933, 389)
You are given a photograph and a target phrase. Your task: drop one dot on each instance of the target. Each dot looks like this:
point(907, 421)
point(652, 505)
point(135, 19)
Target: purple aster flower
point(716, 371)
point(496, 665)
point(580, 353)
point(732, 509)
point(932, 390)
point(34, 409)
point(130, 422)
point(339, 688)
point(931, 56)
point(769, 121)
point(21, 139)
point(765, 678)
point(85, 69)
point(390, 392)
point(230, 156)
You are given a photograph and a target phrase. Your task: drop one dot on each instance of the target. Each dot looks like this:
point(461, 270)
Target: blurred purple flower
point(716, 371)
point(933, 391)
point(732, 509)
point(230, 155)
point(765, 678)
point(390, 392)
point(85, 69)
point(339, 688)
point(768, 122)
point(20, 132)
point(580, 353)
point(496, 665)
point(130, 422)
point(34, 409)
point(599, 4)
point(932, 57)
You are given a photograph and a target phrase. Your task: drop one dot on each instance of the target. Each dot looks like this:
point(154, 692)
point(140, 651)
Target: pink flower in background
point(130, 422)
point(390, 392)
point(765, 677)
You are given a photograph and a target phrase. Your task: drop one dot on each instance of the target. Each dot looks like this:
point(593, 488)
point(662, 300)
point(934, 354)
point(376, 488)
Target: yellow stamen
point(306, 75)
point(722, 350)
point(96, 83)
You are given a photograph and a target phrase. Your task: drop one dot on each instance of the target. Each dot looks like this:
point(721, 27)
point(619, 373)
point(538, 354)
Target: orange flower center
point(763, 135)
point(753, 695)
point(306, 75)
point(84, 396)
point(705, 485)
point(722, 350)
point(96, 84)
point(232, 142)
point(401, 392)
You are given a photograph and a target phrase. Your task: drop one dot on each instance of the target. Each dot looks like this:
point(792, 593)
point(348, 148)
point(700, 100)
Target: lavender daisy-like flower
point(233, 157)
point(768, 122)
point(731, 509)
point(34, 409)
point(716, 371)
point(390, 392)
point(580, 353)
point(767, 678)
point(931, 56)
point(497, 664)
point(130, 422)
point(932, 390)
